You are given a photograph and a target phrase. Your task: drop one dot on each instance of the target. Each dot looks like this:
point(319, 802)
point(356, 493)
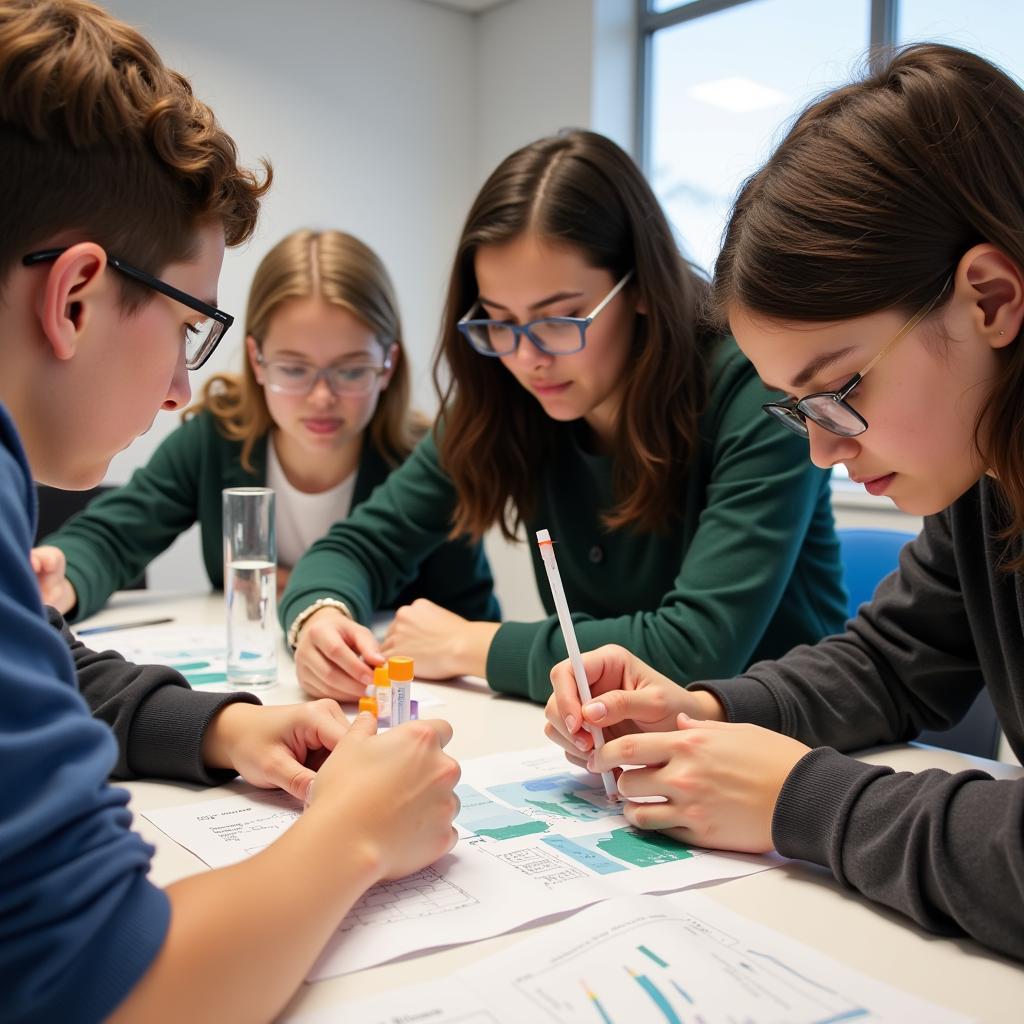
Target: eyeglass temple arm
point(611, 295)
point(903, 332)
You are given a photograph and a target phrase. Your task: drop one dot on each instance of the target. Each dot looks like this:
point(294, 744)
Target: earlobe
point(394, 353)
point(994, 285)
point(64, 303)
point(252, 351)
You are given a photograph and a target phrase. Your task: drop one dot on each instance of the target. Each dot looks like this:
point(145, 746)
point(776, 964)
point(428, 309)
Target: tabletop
point(797, 899)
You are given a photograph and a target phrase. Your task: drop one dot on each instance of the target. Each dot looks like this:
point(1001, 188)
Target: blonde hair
point(345, 272)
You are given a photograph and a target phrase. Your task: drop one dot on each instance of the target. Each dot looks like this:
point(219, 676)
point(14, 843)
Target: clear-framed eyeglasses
point(290, 377)
point(830, 409)
point(553, 335)
point(202, 336)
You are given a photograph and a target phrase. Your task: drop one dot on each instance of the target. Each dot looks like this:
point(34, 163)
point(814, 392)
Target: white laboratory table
point(798, 899)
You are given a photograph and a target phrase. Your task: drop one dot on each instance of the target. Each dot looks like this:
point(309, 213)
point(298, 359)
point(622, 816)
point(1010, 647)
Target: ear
point(989, 291)
point(393, 355)
point(252, 352)
point(65, 303)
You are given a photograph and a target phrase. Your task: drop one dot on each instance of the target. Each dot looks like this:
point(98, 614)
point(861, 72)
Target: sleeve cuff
point(166, 740)
point(745, 699)
point(508, 659)
point(815, 803)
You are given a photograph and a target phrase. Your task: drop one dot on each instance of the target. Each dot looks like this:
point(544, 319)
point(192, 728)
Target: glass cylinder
point(250, 586)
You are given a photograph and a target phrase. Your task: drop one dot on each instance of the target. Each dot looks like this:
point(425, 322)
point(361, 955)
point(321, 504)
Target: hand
point(274, 746)
point(629, 697)
point(441, 643)
point(283, 575)
point(49, 565)
point(720, 781)
point(335, 656)
point(393, 792)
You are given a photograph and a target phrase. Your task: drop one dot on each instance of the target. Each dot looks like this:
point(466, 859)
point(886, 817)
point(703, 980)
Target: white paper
point(199, 653)
point(649, 960)
point(536, 840)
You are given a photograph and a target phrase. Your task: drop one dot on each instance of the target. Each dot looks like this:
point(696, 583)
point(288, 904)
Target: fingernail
point(582, 745)
point(570, 724)
point(685, 717)
point(596, 710)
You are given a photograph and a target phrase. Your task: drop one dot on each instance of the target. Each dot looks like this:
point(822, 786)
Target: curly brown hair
point(100, 140)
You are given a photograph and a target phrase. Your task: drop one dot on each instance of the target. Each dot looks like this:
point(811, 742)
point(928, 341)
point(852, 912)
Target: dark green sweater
point(120, 533)
point(750, 569)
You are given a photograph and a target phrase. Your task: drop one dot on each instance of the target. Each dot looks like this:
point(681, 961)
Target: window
point(722, 89)
point(723, 79)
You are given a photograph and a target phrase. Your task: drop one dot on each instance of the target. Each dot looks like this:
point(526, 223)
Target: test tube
point(382, 686)
point(400, 670)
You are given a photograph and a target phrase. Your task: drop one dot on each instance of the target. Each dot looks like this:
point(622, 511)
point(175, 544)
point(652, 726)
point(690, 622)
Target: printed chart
point(528, 811)
point(199, 653)
point(679, 959)
point(535, 841)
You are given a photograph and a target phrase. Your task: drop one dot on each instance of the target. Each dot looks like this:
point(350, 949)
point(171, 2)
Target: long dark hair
point(869, 203)
point(578, 189)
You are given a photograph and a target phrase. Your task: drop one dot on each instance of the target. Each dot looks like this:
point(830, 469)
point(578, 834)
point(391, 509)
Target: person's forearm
point(242, 938)
point(473, 646)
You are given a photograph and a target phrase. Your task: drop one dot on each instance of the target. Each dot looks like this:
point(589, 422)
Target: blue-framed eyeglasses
point(553, 335)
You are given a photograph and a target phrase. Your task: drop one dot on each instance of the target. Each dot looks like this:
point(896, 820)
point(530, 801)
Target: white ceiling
point(467, 6)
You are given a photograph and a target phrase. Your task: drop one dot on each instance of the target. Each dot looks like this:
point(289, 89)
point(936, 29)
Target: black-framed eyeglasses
point(830, 409)
point(289, 377)
point(201, 337)
point(553, 335)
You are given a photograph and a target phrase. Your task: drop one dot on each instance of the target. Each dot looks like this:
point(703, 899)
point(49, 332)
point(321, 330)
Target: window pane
point(723, 89)
point(992, 28)
point(660, 6)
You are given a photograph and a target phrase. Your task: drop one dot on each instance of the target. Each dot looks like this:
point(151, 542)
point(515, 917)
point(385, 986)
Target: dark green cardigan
point(750, 568)
point(120, 533)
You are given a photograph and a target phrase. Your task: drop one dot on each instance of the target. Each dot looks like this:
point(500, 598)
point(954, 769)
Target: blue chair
point(870, 555)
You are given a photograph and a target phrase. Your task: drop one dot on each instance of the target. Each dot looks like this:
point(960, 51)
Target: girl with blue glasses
point(579, 394)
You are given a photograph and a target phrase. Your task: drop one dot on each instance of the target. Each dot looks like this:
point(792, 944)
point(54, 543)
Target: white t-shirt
point(304, 518)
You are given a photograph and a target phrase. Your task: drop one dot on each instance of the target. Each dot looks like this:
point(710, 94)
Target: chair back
point(868, 557)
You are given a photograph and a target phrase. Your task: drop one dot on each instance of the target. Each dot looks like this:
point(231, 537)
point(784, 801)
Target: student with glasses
point(91, 353)
point(886, 234)
point(320, 413)
point(579, 394)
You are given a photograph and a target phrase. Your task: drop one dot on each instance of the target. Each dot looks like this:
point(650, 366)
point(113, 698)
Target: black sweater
point(947, 850)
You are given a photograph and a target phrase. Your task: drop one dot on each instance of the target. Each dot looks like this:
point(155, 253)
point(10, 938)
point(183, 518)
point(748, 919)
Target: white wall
point(383, 118)
point(367, 111)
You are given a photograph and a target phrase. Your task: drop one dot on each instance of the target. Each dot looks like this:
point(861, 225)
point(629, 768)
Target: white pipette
point(547, 554)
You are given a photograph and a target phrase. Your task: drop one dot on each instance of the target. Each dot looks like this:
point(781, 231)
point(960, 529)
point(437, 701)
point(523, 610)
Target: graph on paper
point(680, 959)
point(678, 970)
point(423, 894)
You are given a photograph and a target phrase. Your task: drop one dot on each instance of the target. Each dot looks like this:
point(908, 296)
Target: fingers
point(653, 816)
point(284, 772)
point(645, 706)
point(322, 678)
point(650, 748)
point(328, 721)
point(563, 707)
point(578, 745)
point(364, 724)
point(334, 647)
point(441, 729)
